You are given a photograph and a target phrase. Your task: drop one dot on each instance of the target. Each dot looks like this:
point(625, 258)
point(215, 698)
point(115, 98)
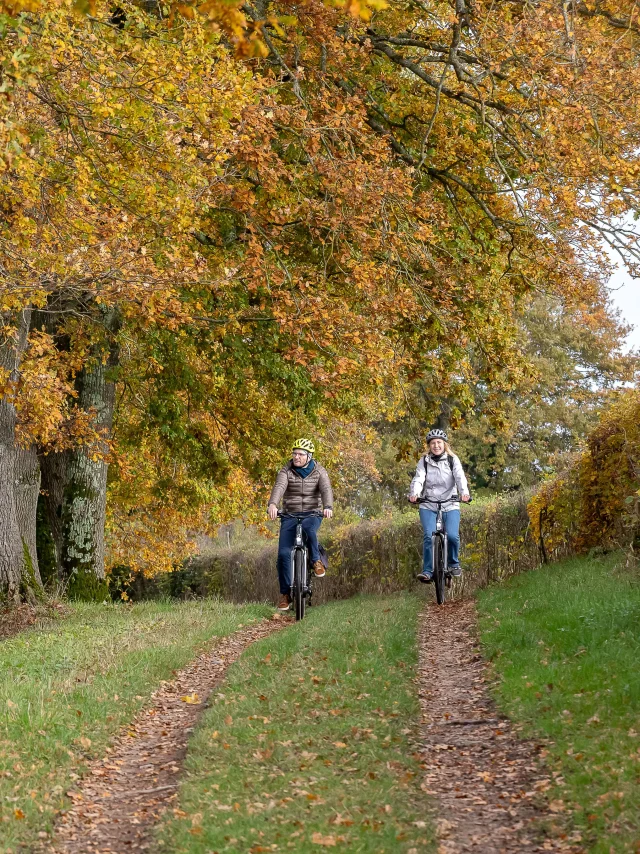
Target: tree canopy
point(226, 225)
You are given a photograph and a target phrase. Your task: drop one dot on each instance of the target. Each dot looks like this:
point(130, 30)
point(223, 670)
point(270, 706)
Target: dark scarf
point(439, 457)
point(306, 471)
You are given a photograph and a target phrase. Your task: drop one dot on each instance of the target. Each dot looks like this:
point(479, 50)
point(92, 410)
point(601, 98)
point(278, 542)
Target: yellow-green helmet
point(304, 445)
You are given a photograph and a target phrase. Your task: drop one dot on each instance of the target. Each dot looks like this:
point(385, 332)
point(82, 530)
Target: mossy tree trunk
point(27, 489)
point(13, 341)
point(84, 496)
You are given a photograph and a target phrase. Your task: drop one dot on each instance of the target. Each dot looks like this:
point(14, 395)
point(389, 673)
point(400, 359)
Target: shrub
point(377, 556)
point(595, 502)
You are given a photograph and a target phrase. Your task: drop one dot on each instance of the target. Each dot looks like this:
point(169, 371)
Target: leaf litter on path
point(123, 795)
point(486, 780)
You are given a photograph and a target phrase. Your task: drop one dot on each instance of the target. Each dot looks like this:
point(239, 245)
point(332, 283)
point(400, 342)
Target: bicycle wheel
point(438, 569)
point(298, 584)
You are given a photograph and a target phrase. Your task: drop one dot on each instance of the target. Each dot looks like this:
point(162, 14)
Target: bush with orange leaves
point(595, 502)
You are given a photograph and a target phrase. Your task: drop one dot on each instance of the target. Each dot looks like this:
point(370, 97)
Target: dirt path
point(486, 781)
point(123, 795)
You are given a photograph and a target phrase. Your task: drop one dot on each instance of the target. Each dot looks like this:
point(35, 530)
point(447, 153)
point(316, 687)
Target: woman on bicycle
point(303, 486)
point(438, 476)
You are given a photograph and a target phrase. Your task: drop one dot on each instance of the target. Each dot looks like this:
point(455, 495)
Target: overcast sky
point(625, 294)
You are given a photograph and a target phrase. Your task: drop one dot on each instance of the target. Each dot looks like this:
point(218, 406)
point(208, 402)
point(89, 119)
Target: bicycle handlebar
point(303, 514)
point(420, 499)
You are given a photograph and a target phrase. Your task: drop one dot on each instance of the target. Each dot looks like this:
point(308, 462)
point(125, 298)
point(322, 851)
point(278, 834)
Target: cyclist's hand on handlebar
point(272, 510)
point(328, 512)
point(466, 498)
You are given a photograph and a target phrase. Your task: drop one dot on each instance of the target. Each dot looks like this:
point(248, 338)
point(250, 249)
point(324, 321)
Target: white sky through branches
point(625, 295)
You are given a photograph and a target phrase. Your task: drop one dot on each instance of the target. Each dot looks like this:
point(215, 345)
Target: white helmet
point(436, 434)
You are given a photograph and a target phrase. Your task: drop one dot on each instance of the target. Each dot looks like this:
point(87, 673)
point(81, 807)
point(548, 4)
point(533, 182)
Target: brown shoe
point(284, 603)
point(318, 569)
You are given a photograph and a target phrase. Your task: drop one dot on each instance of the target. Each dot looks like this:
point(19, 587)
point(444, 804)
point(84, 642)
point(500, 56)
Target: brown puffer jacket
point(302, 494)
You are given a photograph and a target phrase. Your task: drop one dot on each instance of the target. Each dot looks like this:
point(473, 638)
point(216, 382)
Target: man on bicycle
point(303, 486)
point(438, 476)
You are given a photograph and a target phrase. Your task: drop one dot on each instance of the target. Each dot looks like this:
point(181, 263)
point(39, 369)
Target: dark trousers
point(310, 527)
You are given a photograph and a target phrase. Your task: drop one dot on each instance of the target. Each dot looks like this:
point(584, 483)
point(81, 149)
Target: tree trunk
point(55, 468)
point(27, 489)
point(12, 562)
point(85, 491)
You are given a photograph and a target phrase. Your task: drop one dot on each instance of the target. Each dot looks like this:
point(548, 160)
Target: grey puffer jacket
point(302, 494)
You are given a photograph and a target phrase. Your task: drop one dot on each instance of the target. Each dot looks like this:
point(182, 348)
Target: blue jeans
point(451, 519)
point(310, 527)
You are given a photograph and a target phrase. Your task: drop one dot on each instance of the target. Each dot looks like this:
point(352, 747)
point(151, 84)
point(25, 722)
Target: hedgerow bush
point(368, 557)
point(595, 502)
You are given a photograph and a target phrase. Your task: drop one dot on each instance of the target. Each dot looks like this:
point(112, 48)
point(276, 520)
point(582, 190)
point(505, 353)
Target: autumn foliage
point(223, 226)
point(595, 502)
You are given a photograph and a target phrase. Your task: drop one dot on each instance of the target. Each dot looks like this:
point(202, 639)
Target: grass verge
point(308, 745)
point(565, 645)
point(66, 690)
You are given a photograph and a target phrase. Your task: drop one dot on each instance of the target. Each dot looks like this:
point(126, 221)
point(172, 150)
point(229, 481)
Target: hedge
point(594, 503)
point(368, 557)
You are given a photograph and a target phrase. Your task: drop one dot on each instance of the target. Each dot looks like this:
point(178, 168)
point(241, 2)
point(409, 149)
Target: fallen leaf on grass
point(18, 813)
point(190, 698)
point(228, 720)
point(339, 819)
point(339, 744)
point(267, 753)
point(556, 806)
point(328, 841)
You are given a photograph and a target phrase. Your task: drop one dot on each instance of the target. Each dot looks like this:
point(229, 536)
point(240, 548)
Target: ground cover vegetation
point(320, 720)
point(563, 645)
point(69, 687)
point(224, 227)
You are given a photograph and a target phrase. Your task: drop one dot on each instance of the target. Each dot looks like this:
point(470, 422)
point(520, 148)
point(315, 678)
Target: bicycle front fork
point(445, 547)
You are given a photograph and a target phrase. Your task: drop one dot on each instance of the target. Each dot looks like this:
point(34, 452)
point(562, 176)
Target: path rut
point(123, 795)
point(487, 781)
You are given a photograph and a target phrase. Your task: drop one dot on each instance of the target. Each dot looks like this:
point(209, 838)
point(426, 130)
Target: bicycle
point(301, 586)
point(440, 553)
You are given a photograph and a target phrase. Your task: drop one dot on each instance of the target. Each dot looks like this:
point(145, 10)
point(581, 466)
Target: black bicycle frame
point(300, 544)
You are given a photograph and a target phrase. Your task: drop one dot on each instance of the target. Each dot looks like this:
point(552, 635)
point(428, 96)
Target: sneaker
point(318, 569)
point(285, 602)
point(456, 571)
point(425, 577)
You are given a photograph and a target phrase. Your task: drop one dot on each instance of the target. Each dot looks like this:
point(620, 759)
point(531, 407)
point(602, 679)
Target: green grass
point(308, 743)
point(66, 690)
point(565, 645)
